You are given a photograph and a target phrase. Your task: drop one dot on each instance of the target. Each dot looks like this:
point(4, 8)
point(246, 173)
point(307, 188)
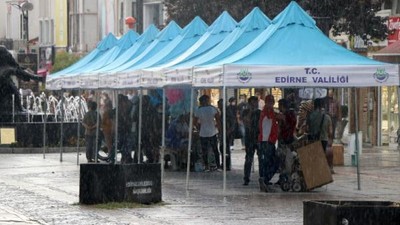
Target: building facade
point(73, 24)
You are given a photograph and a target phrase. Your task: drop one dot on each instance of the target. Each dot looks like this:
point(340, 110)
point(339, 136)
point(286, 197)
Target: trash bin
point(102, 183)
point(351, 212)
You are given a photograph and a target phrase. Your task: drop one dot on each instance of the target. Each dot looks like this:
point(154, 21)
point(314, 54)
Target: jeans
point(268, 161)
point(210, 143)
point(285, 160)
point(90, 147)
point(249, 158)
point(243, 132)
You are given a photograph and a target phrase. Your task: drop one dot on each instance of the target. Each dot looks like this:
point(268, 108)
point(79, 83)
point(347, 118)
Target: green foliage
point(353, 17)
point(64, 60)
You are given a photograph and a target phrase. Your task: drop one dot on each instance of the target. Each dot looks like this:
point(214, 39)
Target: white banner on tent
point(310, 76)
point(178, 76)
point(126, 80)
point(149, 79)
point(208, 76)
point(89, 82)
point(107, 80)
point(53, 83)
point(71, 82)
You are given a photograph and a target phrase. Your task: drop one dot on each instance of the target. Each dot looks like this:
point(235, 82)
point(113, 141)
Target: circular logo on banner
point(381, 76)
point(244, 76)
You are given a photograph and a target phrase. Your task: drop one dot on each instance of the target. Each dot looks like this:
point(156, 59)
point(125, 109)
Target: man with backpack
point(319, 124)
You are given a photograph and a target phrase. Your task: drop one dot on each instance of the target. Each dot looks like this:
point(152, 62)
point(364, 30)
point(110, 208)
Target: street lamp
point(25, 7)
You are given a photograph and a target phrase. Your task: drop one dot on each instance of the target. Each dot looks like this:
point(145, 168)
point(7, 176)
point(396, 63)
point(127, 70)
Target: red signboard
point(394, 30)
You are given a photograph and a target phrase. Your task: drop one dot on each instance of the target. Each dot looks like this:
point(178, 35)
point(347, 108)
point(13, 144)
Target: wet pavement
point(37, 190)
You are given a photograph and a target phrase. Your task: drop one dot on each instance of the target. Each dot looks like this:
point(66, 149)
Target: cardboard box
point(314, 165)
point(338, 154)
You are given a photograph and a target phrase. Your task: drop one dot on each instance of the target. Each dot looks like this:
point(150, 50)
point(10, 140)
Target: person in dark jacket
point(251, 116)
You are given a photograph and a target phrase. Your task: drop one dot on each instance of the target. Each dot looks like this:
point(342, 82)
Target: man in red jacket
point(268, 136)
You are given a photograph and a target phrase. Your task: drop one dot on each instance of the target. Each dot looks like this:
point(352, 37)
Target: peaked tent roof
point(104, 45)
point(216, 33)
point(74, 79)
point(248, 29)
point(124, 43)
point(294, 52)
point(170, 32)
point(189, 35)
point(148, 36)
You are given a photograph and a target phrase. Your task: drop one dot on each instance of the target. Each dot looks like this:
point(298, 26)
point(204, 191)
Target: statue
point(9, 67)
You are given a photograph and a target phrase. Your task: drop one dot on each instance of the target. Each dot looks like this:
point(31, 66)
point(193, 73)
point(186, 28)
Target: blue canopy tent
point(146, 39)
point(104, 45)
point(123, 44)
point(216, 33)
point(293, 52)
point(110, 78)
point(189, 35)
point(247, 30)
point(169, 33)
point(69, 80)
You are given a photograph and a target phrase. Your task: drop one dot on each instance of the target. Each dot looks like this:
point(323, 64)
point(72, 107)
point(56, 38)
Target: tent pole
point(97, 127)
point(190, 137)
point(224, 138)
point(140, 124)
point(356, 138)
point(44, 125)
point(398, 125)
point(62, 125)
point(79, 126)
point(398, 104)
point(163, 137)
point(116, 126)
point(379, 116)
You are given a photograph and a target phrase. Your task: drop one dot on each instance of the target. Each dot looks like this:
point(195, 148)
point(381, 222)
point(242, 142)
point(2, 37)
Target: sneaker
point(213, 168)
point(246, 182)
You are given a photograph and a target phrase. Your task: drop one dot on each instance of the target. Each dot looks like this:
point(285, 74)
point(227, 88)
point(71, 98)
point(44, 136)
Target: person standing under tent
point(107, 124)
point(207, 118)
point(267, 137)
point(251, 117)
point(124, 122)
point(151, 130)
point(261, 102)
point(133, 140)
point(241, 107)
point(231, 121)
point(287, 127)
point(332, 108)
point(131, 93)
point(319, 125)
point(89, 122)
point(176, 138)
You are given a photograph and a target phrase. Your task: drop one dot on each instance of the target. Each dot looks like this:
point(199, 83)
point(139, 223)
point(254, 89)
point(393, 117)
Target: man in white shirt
point(208, 119)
